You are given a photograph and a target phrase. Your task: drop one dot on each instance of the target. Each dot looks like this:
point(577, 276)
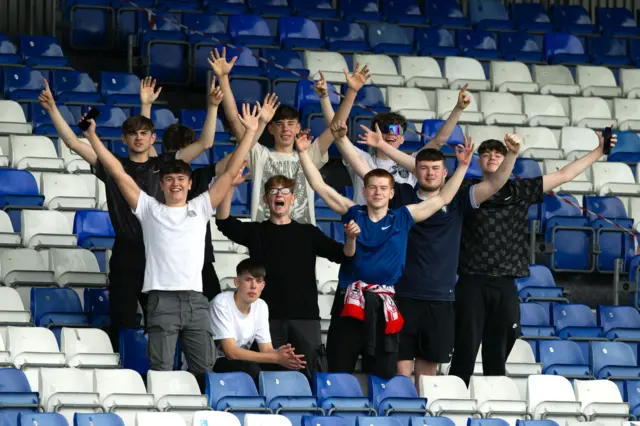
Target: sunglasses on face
point(283, 191)
point(395, 129)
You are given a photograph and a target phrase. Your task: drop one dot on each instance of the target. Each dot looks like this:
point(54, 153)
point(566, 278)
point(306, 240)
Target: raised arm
point(351, 232)
point(65, 132)
point(128, 187)
point(334, 200)
point(375, 139)
point(444, 133)
point(348, 151)
point(573, 169)
point(221, 67)
point(426, 208)
point(325, 102)
point(492, 183)
point(148, 95)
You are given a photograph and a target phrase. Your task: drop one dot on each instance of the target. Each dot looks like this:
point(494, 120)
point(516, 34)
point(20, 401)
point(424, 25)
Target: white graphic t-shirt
point(399, 173)
point(264, 164)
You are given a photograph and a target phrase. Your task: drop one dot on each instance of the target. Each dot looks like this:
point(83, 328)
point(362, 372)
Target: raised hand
point(269, 107)
point(359, 77)
point(338, 129)
point(148, 92)
point(614, 140)
point(250, 117)
point(463, 98)
point(303, 141)
point(464, 153)
point(215, 93)
point(219, 64)
point(241, 176)
point(370, 137)
point(512, 141)
point(46, 98)
point(321, 86)
point(92, 127)
point(351, 230)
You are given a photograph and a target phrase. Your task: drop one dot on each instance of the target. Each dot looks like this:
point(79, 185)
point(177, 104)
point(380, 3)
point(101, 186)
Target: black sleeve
point(532, 190)
point(403, 195)
point(99, 171)
point(237, 231)
point(463, 199)
point(326, 247)
point(168, 156)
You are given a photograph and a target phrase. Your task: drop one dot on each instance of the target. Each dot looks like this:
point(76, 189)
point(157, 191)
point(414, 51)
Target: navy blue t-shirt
point(434, 244)
point(380, 247)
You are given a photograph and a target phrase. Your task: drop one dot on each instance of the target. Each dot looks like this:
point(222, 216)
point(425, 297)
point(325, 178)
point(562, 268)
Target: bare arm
point(224, 208)
point(492, 183)
point(325, 102)
point(148, 95)
point(233, 352)
point(351, 231)
point(349, 153)
point(374, 139)
point(444, 133)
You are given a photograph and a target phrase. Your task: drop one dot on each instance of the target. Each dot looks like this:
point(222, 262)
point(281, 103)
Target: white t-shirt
point(173, 242)
point(227, 322)
point(400, 174)
point(264, 164)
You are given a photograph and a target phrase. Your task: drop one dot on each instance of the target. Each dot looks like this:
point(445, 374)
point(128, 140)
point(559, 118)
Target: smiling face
point(378, 188)
point(175, 187)
point(392, 126)
point(491, 155)
point(284, 127)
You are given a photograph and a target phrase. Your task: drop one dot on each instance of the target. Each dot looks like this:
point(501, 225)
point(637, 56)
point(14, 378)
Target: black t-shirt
point(201, 178)
point(494, 237)
point(433, 247)
point(288, 253)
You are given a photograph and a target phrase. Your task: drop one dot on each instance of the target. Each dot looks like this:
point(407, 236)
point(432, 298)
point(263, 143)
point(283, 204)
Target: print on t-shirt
point(293, 170)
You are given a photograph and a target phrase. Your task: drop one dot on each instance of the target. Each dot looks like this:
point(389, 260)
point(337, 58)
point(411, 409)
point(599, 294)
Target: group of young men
point(427, 267)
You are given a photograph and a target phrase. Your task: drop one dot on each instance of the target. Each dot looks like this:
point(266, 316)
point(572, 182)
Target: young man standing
point(288, 250)
point(425, 292)
point(364, 318)
point(126, 267)
point(239, 319)
point(284, 126)
point(173, 234)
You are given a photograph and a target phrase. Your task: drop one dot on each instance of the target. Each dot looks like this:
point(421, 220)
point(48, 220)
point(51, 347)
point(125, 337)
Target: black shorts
point(428, 330)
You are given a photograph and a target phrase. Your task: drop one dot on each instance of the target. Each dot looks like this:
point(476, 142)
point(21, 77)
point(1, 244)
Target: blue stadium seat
point(632, 395)
point(167, 55)
point(474, 171)
point(337, 231)
point(320, 9)
point(388, 39)
point(478, 44)
point(270, 7)
point(162, 118)
point(436, 42)
point(8, 55)
point(109, 122)
point(617, 21)
point(286, 58)
point(526, 168)
point(539, 285)
point(91, 23)
point(486, 422)
point(489, 15)
point(531, 17)
point(323, 421)
point(42, 51)
point(521, 46)
point(377, 421)
point(209, 24)
point(6, 420)
point(534, 321)
point(23, 84)
point(431, 421)
point(288, 393)
point(133, 350)
point(563, 358)
point(177, 6)
point(97, 419)
point(360, 10)
point(402, 12)
point(614, 361)
point(572, 19)
point(43, 419)
point(370, 96)
point(619, 322)
point(445, 13)
point(396, 397)
point(563, 48)
point(241, 199)
point(342, 36)
point(96, 306)
point(250, 30)
point(299, 33)
point(575, 321)
point(18, 190)
point(73, 87)
point(42, 123)
point(227, 6)
point(308, 102)
point(627, 149)
point(222, 150)
point(16, 395)
point(94, 229)
point(120, 88)
point(127, 19)
point(430, 129)
point(234, 392)
point(324, 226)
point(55, 308)
point(412, 140)
point(608, 51)
point(248, 91)
point(340, 394)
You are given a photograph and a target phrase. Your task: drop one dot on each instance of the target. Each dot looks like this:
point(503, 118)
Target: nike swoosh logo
point(386, 227)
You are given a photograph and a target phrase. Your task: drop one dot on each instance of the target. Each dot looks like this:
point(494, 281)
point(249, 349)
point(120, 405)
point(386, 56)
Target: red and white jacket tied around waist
point(354, 304)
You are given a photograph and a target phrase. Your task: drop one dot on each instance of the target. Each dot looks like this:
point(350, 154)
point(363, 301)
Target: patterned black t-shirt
point(494, 236)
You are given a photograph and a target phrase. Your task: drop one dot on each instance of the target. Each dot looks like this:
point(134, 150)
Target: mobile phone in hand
point(607, 134)
point(91, 115)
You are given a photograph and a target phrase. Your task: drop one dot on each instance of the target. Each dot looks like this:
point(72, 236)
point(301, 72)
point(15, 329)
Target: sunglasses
point(395, 129)
point(283, 191)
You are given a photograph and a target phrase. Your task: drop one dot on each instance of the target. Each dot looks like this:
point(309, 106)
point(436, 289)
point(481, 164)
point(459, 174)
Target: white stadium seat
point(221, 418)
point(601, 400)
point(555, 80)
point(101, 195)
point(24, 267)
point(326, 275)
point(219, 241)
point(545, 110)
point(8, 238)
point(67, 391)
point(176, 391)
point(627, 113)
point(581, 184)
point(614, 179)
point(460, 71)
point(12, 310)
point(502, 109)
point(159, 419)
point(512, 77)
point(539, 143)
point(422, 72)
point(498, 397)
point(447, 99)
point(123, 392)
point(577, 142)
point(410, 102)
point(73, 163)
point(225, 266)
point(597, 81)
point(448, 396)
point(33, 347)
point(325, 302)
point(551, 397)
point(630, 82)
point(331, 64)
point(591, 112)
point(76, 267)
point(34, 153)
point(65, 192)
point(12, 119)
point(384, 71)
point(46, 228)
point(480, 134)
point(266, 420)
point(5, 356)
point(4, 158)
point(87, 348)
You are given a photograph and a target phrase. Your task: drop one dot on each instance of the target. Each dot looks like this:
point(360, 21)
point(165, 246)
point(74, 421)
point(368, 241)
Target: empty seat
point(94, 229)
point(44, 419)
point(215, 417)
point(555, 80)
point(68, 390)
point(266, 420)
point(531, 17)
point(482, 133)
point(577, 141)
point(601, 400)
point(344, 36)
point(478, 44)
point(123, 392)
point(120, 88)
point(562, 48)
point(410, 102)
point(575, 321)
point(613, 178)
point(288, 393)
point(630, 82)
point(299, 33)
point(17, 395)
point(24, 267)
point(97, 419)
point(447, 99)
point(396, 397)
point(65, 192)
point(234, 392)
point(33, 347)
point(11, 308)
point(46, 228)
point(448, 396)
point(552, 397)
point(23, 84)
point(326, 275)
point(590, 112)
point(597, 81)
point(436, 42)
point(502, 109)
point(55, 308)
point(12, 119)
point(34, 153)
point(340, 394)
point(421, 71)
point(42, 51)
point(619, 322)
point(73, 163)
point(539, 143)
point(76, 268)
point(87, 348)
point(388, 39)
point(626, 112)
point(225, 266)
point(498, 397)
point(512, 77)
point(461, 71)
point(613, 360)
point(8, 238)
point(176, 391)
point(563, 358)
point(386, 71)
point(331, 64)
point(539, 285)
point(377, 421)
point(250, 30)
point(544, 110)
point(534, 321)
point(159, 419)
